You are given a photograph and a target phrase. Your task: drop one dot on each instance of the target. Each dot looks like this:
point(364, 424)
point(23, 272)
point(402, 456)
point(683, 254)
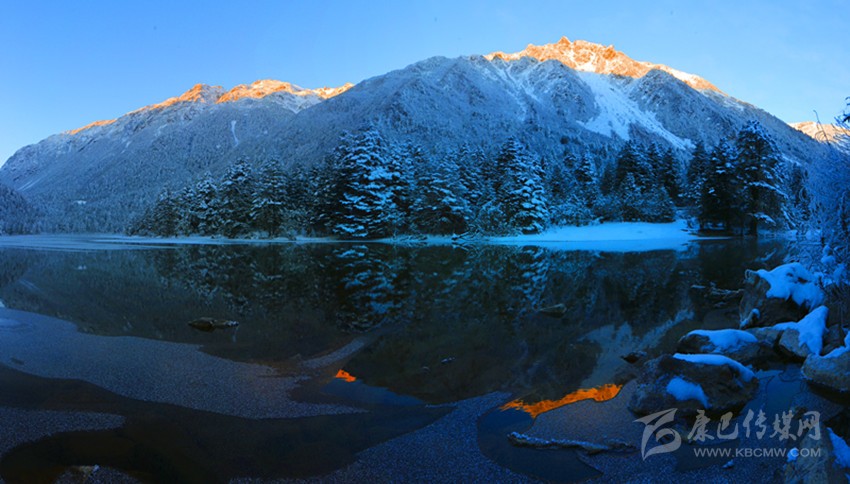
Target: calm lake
point(340, 347)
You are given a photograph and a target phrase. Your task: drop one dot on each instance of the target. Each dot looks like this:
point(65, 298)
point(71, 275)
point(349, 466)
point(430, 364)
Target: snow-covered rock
point(742, 346)
point(805, 337)
point(787, 293)
point(711, 382)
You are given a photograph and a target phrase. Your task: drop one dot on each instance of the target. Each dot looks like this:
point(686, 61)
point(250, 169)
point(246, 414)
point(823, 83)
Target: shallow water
point(352, 343)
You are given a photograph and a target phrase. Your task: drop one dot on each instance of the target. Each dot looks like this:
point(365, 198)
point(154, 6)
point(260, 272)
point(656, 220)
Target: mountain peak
point(587, 56)
point(265, 87)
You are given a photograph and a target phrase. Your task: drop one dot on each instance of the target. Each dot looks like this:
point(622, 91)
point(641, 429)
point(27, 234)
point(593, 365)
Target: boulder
point(834, 337)
point(820, 463)
point(831, 371)
point(805, 337)
point(768, 336)
point(790, 347)
point(786, 293)
point(714, 383)
point(741, 346)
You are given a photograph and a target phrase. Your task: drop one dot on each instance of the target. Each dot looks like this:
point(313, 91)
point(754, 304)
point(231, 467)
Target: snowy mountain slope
point(98, 178)
point(115, 167)
point(821, 132)
point(441, 103)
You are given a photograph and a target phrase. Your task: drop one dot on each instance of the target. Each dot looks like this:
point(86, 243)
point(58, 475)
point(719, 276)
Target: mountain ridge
point(438, 104)
point(204, 93)
point(591, 57)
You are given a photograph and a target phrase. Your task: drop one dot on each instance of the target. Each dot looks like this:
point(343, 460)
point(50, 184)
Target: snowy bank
point(614, 237)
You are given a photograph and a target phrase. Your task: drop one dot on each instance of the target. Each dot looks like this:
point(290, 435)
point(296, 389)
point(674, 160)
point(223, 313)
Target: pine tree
point(235, 191)
point(267, 201)
point(298, 203)
point(718, 189)
point(570, 199)
point(758, 171)
point(697, 170)
point(204, 217)
point(519, 189)
point(670, 175)
point(632, 160)
point(587, 180)
point(439, 207)
point(367, 207)
point(476, 189)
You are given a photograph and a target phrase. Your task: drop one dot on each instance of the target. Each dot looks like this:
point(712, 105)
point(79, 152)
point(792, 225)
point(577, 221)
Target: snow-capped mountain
point(590, 57)
point(573, 96)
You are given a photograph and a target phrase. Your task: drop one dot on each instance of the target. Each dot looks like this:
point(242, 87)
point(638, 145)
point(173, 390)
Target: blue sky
point(64, 64)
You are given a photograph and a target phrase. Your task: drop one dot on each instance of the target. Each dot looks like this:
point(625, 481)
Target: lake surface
point(340, 347)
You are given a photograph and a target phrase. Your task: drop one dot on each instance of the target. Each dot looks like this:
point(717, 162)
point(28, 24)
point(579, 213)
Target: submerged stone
point(211, 324)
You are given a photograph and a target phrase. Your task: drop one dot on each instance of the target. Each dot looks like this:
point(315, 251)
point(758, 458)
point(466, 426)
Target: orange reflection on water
point(345, 376)
point(599, 394)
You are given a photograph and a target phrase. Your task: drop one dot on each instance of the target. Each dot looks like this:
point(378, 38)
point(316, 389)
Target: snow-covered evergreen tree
point(632, 160)
point(17, 216)
point(268, 209)
point(204, 216)
point(697, 169)
point(758, 172)
point(719, 190)
point(520, 190)
point(439, 207)
point(235, 192)
point(368, 208)
point(570, 199)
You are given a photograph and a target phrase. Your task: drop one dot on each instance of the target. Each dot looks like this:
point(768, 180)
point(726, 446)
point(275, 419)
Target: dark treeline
point(17, 216)
point(742, 186)
point(370, 188)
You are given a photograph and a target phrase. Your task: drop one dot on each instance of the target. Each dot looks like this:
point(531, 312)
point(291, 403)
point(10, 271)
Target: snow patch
point(617, 112)
point(717, 360)
point(793, 281)
point(811, 329)
point(233, 132)
point(677, 230)
point(683, 390)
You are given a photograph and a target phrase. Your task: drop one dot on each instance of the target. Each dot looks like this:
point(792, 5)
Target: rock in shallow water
point(692, 382)
point(211, 324)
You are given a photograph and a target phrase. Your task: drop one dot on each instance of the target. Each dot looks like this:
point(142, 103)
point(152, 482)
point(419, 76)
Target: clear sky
point(64, 64)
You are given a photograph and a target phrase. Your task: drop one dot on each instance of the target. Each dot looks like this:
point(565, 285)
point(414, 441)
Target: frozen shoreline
point(615, 236)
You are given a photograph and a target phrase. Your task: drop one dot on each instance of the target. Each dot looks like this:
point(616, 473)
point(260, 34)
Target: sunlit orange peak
point(590, 57)
point(599, 394)
point(92, 125)
point(263, 88)
point(345, 376)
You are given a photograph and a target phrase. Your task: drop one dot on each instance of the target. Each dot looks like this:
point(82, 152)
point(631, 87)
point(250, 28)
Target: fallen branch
point(523, 440)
